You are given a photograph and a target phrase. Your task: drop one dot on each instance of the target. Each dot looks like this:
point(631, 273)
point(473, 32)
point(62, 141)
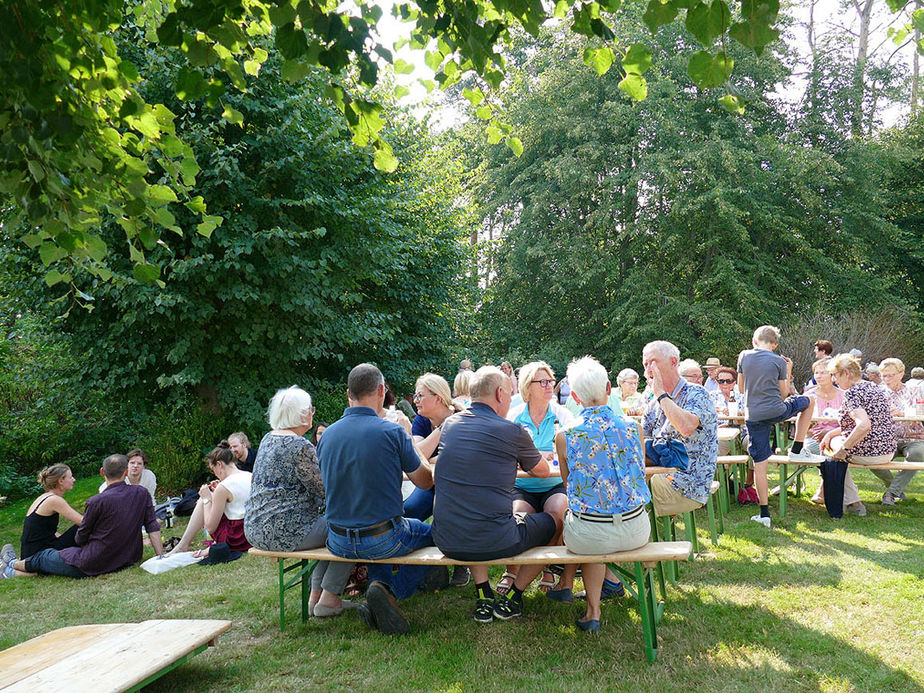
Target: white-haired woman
point(909, 435)
point(603, 465)
point(632, 401)
point(542, 418)
point(286, 507)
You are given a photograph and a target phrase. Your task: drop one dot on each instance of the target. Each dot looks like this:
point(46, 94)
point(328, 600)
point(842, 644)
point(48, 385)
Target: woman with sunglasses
point(542, 418)
point(727, 380)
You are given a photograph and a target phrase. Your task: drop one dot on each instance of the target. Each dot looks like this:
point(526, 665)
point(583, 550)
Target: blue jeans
point(406, 536)
point(48, 562)
point(419, 505)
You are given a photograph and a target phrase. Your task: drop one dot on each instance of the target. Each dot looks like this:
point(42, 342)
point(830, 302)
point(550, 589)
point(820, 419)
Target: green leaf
point(401, 91)
point(291, 41)
point(384, 159)
point(161, 194)
point(146, 273)
point(494, 133)
point(252, 67)
point(516, 146)
point(35, 168)
point(209, 224)
point(433, 60)
point(707, 70)
point(196, 205)
point(51, 253)
point(233, 116)
point(635, 86)
point(285, 14)
point(129, 71)
point(600, 59)
point(402, 67)
point(658, 14)
point(561, 9)
point(474, 96)
point(637, 60)
point(295, 70)
point(55, 277)
point(484, 112)
point(732, 104)
point(96, 248)
point(171, 145)
point(708, 21)
point(189, 169)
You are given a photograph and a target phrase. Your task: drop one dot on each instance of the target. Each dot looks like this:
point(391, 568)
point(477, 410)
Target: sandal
point(505, 583)
point(547, 582)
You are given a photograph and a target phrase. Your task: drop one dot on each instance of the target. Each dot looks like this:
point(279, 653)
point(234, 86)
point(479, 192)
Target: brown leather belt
point(372, 531)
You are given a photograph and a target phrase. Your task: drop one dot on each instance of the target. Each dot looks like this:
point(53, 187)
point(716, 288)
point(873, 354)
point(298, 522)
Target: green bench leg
point(305, 568)
point(713, 533)
point(689, 526)
point(667, 534)
point(648, 611)
point(783, 492)
point(723, 489)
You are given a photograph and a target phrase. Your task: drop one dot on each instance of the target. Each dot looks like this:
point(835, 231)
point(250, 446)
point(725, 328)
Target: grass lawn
point(813, 605)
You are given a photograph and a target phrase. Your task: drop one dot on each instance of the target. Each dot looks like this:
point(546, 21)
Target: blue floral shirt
point(606, 464)
point(702, 446)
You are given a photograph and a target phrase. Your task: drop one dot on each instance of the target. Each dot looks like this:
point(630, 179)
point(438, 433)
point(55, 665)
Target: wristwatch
point(663, 396)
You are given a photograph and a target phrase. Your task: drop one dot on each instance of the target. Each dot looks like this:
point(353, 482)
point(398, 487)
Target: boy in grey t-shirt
point(766, 381)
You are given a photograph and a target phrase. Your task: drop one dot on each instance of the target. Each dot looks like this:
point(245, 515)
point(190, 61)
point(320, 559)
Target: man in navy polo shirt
point(362, 457)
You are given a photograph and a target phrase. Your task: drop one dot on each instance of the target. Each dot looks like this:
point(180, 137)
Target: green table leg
point(282, 594)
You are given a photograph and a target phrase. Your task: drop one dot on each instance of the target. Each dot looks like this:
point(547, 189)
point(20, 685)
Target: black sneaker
point(384, 607)
point(505, 609)
point(484, 611)
point(366, 616)
point(460, 576)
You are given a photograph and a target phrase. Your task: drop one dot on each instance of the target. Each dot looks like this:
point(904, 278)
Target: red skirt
point(231, 532)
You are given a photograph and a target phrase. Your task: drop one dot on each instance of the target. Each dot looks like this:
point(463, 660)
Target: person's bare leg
point(526, 575)
point(593, 574)
point(479, 574)
point(196, 523)
point(519, 506)
point(804, 421)
point(760, 482)
point(566, 581)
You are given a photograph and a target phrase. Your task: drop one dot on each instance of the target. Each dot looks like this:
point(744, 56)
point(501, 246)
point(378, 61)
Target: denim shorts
point(759, 431)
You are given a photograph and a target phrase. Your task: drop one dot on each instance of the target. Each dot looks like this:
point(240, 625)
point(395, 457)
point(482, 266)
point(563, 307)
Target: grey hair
point(485, 382)
point(288, 407)
point(666, 349)
point(624, 374)
point(689, 365)
point(588, 380)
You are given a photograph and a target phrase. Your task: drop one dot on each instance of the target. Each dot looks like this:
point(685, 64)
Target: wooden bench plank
point(120, 657)
point(783, 459)
point(650, 553)
point(33, 655)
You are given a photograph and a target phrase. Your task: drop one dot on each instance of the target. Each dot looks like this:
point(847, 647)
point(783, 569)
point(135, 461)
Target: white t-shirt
point(148, 480)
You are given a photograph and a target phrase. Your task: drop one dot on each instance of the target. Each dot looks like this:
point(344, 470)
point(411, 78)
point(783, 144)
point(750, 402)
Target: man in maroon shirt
point(109, 538)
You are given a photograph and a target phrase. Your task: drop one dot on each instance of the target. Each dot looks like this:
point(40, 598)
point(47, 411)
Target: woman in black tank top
point(40, 528)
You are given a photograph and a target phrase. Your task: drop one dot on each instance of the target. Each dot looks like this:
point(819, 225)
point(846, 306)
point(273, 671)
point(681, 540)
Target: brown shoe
point(384, 608)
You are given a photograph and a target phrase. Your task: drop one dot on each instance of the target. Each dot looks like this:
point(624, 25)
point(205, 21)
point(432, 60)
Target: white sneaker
point(805, 456)
point(765, 521)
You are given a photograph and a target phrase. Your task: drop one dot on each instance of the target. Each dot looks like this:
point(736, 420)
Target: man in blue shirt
point(362, 457)
point(680, 411)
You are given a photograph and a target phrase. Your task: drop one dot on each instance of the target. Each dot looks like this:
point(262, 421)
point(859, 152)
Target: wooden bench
point(786, 479)
point(105, 657)
point(639, 581)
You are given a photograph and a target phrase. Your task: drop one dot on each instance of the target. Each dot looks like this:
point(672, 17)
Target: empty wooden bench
point(105, 657)
point(639, 580)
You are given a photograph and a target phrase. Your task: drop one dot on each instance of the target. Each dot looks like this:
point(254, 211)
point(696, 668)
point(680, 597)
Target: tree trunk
point(864, 9)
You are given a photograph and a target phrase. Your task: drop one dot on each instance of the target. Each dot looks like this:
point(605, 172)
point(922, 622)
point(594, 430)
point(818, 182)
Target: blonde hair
point(768, 334)
point(528, 372)
point(50, 476)
point(461, 386)
point(845, 363)
point(438, 386)
point(892, 363)
point(821, 362)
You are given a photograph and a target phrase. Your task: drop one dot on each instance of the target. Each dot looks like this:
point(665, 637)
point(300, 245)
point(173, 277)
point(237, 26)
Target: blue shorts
point(759, 431)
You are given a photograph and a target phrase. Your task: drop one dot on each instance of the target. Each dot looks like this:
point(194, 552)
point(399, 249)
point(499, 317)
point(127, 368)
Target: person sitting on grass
point(109, 537)
point(765, 380)
point(220, 508)
point(603, 466)
point(40, 528)
point(138, 472)
point(473, 518)
point(240, 446)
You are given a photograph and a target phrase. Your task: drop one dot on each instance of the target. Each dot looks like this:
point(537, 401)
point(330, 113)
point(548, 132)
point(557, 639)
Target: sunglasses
point(724, 382)
point(545, 383)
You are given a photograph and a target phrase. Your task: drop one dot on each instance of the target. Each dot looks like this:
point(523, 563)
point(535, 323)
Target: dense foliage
point(672, 219)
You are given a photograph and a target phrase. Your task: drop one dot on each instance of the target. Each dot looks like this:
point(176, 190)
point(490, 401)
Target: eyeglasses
point(545, 383)
point(724, 382)
point(420, 395)
point(312, 409)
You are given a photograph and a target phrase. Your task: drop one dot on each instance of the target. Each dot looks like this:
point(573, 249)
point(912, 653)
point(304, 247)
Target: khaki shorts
point(585, 536)
point(668, 500)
